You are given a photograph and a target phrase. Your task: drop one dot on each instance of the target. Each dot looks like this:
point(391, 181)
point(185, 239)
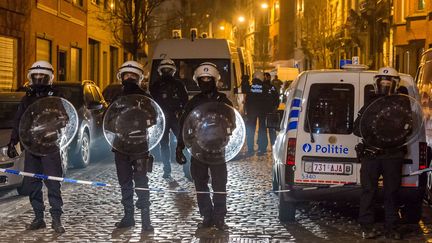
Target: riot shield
point(133, 124)
point(48, 125)
point(391, 121)
point(214, 132)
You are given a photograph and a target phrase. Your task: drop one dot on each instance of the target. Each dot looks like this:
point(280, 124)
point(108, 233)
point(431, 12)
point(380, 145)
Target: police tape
point(182, 190)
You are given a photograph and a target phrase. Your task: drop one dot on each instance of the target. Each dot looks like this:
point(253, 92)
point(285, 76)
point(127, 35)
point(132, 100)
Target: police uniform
point(171, 96)
point(255, 110)
point(217, 209)
point(133, 168)
point(386, 161)
point(272, 101)
point(51, 164)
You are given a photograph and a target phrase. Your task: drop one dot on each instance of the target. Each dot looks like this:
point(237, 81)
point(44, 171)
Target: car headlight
point(3, 154)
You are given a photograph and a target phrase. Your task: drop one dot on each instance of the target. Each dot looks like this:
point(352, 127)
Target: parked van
point(315, 145)
point(188, 54)
point(424, 84)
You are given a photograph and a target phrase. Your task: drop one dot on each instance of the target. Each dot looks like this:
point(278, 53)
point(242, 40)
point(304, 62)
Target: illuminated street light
point(222, 27)
point(241, 19)
point(264, 5)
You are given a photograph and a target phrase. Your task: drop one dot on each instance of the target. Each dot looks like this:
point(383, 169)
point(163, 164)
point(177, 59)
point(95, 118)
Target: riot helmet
point(167, 68)
point(206, 76)
point(41, 74)
point(131, 73)
point(386, 81)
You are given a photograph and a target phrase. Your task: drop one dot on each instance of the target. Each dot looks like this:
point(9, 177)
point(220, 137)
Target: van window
point(186, 68)
point(330, 109)
point(369, 93)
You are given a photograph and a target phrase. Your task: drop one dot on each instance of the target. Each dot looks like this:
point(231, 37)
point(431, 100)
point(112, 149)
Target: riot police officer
point(40, 76)
point(206, 75)
point(375, 162)
point(133, 167)
point(170, 93)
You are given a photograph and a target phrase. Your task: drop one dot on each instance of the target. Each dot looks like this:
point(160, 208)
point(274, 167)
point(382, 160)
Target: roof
point(187, 49)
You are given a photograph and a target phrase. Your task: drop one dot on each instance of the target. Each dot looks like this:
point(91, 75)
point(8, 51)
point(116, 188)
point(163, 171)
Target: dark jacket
point(197, 100)
point(170, 94)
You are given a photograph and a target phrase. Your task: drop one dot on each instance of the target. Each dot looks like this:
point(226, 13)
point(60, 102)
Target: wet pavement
point(90, 212)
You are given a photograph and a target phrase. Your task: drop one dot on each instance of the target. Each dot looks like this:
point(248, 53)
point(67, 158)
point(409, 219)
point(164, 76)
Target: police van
point(424, 83)
point(314, 156)
point(188, 54)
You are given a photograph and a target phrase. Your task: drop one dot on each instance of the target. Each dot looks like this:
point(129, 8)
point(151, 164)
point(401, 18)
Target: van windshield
point(330, 109)
point(185, 71)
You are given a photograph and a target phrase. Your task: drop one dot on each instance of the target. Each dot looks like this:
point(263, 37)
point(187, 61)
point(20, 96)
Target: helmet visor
point(386, 85)
point(40, 79)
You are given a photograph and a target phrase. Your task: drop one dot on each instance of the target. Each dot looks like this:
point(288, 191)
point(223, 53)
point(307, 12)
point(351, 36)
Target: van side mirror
point(273, 120)
point(94, 105)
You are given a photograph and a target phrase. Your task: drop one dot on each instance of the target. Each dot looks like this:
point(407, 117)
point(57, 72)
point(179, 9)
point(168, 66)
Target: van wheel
point(286, 210)
point(83, 156)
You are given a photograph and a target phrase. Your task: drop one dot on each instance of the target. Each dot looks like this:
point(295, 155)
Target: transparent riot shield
point(48, 125)
point(214, 132)
point(133, 124)
point(391, 121)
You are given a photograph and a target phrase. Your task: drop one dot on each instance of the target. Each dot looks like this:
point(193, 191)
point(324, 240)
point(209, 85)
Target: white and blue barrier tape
point(102, 184)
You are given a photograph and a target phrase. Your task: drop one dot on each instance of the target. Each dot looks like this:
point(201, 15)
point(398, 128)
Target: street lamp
point(241, 19)
point(264, 6)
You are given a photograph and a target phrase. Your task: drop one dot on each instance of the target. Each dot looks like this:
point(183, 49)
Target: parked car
point(315, 144)
point(9, 102)
point(90, 105)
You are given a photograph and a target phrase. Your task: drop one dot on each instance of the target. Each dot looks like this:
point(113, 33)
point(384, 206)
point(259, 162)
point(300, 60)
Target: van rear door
point(325, 144)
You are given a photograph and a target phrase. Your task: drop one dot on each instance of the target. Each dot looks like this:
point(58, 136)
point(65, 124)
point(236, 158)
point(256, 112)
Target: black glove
point(11, 151)
point(180, 158)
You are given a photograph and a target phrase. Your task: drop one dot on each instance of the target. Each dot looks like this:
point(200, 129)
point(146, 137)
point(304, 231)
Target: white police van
point(326, 102)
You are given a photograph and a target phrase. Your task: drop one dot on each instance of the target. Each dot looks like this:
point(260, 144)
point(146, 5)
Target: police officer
point(133, 167)
point(375, 162)
point(255, 110)
point(271, 94)
point(40, 76)
point(206, 75)
point(170, 93)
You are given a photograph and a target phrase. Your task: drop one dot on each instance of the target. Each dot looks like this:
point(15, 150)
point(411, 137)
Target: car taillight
point(290, 158)
point(422, 155)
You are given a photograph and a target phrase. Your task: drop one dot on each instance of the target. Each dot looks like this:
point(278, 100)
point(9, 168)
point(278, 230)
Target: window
point(8, 63)
point(330, 109)
point(79, 2)
point(186, 67)
point(75, 64)
point(113, 63)
point(61, 65)
point(276, 7)
point(94, 60)
point(97, 2)
point(420, 4)
point(43, 50)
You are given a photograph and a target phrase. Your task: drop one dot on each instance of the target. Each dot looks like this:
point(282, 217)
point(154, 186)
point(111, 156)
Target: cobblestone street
point(90, 212)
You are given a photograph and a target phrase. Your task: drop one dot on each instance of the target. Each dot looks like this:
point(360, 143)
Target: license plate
point(328, 168)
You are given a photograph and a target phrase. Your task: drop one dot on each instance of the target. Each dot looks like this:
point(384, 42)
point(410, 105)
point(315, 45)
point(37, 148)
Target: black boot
point(145, 219)
point(37, 223)
point(219, 223)
point(206, 223)
point(57, 225)
point(128, 220)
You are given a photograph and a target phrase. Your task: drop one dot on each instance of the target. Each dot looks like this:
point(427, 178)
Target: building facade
point(412, 31)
